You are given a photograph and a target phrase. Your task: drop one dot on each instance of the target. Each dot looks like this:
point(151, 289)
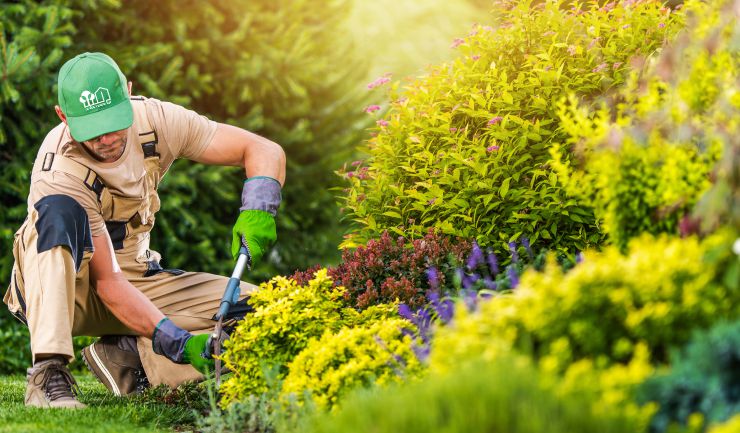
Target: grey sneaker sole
point(97, 368)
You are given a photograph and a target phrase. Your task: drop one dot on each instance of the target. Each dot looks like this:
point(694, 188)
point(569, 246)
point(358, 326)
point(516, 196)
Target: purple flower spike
point(471, 299)
point(476, 257)
point(489, 283)
point(514, 253)
point(492, 262)
point(579, 257)
point(405, 312)
point(446, 310)
point(513, 276)
point(525, 242)
point(433, 276)
point(422, 352)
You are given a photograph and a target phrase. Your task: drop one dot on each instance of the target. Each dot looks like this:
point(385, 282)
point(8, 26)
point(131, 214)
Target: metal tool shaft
point(230, 297)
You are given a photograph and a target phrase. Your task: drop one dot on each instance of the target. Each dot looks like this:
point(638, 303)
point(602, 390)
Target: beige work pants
point(59, 302)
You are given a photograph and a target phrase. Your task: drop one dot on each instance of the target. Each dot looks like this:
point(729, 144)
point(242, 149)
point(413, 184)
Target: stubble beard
point(113, 153)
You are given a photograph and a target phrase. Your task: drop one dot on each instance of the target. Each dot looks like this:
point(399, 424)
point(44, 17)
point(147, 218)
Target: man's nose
point(109, 138)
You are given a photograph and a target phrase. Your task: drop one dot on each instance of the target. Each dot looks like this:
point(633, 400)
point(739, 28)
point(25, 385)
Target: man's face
point(107, 147)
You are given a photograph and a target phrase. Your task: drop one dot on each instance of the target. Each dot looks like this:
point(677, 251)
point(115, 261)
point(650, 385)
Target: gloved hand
point(257, 229)
point(195, 347)
point(256, 223)
point(180, 346)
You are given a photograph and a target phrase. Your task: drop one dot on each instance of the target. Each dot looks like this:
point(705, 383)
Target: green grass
point(156, 411)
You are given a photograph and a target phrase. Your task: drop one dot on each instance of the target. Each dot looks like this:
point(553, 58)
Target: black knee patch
point(63, 221)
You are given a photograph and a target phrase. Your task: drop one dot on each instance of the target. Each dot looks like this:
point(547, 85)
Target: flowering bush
point(386, 270)
point(602, 309)
point(645, 158)
point(465, 150)
point(286, 317)
point(329, 367)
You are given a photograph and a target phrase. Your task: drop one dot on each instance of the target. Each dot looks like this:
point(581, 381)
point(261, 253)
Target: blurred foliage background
point(294, 71)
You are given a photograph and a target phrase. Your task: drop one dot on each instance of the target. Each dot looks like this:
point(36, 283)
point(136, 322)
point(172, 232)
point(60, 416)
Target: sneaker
point(115, 361)
point(51, 385)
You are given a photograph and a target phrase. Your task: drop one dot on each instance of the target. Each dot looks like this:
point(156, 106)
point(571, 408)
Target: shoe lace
point(58, 383)
point(142, 382)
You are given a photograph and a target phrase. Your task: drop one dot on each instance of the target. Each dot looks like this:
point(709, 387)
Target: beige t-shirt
point(181, 133)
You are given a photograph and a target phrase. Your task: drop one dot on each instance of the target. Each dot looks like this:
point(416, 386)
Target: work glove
point(255, 227)
point(195, 353)
point(181, 347)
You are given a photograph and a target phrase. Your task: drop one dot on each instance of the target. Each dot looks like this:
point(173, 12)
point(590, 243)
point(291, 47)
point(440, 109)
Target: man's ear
point(130, 83)
point(61, 115)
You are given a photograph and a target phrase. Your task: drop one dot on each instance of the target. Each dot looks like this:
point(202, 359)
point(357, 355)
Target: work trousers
point(51, 291)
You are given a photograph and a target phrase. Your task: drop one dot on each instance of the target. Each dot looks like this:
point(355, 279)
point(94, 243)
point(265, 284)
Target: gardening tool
point(231, 296)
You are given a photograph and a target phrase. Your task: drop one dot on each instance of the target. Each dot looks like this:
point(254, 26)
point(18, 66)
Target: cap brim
point(115, 118)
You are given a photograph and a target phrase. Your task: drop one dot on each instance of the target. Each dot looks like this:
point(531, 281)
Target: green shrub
point(704, 378)
point(603, 308)
point(505, 396)
point(33, 37)
point(15, 349)
point(466, 149)
point(379, 353)
point(646, 155)
point(286, 317)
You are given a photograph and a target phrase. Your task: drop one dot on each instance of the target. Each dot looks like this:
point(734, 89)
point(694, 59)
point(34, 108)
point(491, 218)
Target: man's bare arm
point(238, 147)
point(124, 300)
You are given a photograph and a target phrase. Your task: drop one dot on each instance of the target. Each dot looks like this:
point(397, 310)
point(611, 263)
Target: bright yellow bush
point(731, 426)
point(605, 323)
point(378, 353)
point(286, 317)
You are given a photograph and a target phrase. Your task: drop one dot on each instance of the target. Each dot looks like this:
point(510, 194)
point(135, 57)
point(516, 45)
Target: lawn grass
point(105, 412)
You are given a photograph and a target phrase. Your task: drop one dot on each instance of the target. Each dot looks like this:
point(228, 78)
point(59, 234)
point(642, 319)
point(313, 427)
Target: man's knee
point(63, 222)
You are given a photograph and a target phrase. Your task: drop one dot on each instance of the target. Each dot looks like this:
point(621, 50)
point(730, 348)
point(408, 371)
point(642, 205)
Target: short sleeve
point(62, 183)
point(185, 132)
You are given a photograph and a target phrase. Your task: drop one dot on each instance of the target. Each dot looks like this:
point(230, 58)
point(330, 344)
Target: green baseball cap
point(93, 94)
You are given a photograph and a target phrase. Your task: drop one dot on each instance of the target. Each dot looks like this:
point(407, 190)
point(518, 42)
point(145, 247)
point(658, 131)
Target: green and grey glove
point(255, 227)
point(182, 347)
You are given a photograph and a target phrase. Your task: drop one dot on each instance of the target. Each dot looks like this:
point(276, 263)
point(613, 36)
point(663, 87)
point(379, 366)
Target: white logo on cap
point(94, 100)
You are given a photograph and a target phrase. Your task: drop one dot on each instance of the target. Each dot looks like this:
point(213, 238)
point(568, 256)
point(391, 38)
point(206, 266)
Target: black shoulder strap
point(148, 138)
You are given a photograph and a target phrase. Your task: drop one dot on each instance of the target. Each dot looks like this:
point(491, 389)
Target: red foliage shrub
point(385, 270)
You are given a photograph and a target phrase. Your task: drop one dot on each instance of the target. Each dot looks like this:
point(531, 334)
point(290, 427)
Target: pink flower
point(372, 108)
point(626, 26)
point(495, 120)
point(457, 42)
point(600, 68)
point(616, 65)
point(488, 28)
point(490, 149)
point(572, 50)
point(380, 81)
point(453, 129)
point(356, 163)
point(382, 123)
point(661, 25)
point(475, 57)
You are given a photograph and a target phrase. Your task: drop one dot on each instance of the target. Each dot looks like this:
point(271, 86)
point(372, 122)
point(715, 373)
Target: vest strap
point(66, 165)
point(149, 138)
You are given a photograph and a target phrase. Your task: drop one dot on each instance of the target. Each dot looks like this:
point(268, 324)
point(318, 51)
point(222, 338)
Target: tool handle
point(231, 294)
